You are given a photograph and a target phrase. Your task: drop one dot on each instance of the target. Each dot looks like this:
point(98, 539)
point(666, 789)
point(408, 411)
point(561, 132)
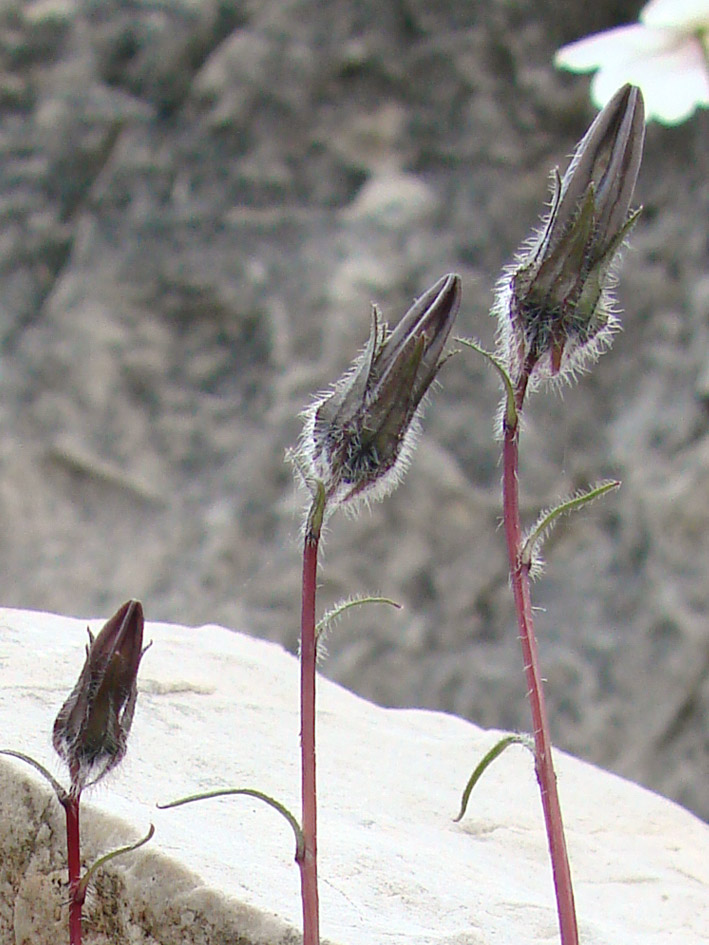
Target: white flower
point(666, 55)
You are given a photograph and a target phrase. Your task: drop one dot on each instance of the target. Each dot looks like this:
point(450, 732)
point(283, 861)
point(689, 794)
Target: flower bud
point(91, 730)
point(554, 303)
point(358, 437)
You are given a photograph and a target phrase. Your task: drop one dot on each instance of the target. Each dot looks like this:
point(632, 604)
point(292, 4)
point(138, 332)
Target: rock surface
point(217, 708)
point(198, 202)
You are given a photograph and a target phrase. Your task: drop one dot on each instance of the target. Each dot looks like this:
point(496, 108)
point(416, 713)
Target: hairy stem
point(73, 847)
point(307, 860)
point(519, 577)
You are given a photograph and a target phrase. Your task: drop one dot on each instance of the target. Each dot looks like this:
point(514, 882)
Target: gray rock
point(191, 239)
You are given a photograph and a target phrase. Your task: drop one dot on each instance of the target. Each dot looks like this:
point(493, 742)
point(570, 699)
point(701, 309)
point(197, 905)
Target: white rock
point(217, 708)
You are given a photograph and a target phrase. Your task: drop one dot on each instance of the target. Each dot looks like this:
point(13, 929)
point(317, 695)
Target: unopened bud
point(358, 437)
point(91, 730)
point(554, 303)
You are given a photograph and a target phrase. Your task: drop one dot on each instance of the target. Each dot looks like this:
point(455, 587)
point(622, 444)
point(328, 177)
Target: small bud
point(554, 303)
point(91, 730)
point(358, 437)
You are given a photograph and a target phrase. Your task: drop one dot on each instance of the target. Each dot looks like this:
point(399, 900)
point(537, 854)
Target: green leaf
point(548, 518)
point(83, 884)
point(339, 609)
point(249, 792)
point(61, 793)
point(511, 419)
point(486, 761)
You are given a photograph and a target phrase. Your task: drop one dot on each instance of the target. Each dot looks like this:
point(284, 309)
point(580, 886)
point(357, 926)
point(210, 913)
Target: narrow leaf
point(339, 609)
point(85, 879)
point(249, 792)
point(485, 762)
point(510, 409)
point(61, 793)
point(548, 518)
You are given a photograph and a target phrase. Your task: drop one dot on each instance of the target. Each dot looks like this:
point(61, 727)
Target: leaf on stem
point(509, 409)
point(86, 878)
point(485, 763)
point(249, 792)
point(325, 624)
point(530, 553)
point(61, 793)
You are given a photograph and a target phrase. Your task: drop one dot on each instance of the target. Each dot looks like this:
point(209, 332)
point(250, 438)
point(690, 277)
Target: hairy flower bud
point(91, 730)
point(357, 438)
point(554, 303)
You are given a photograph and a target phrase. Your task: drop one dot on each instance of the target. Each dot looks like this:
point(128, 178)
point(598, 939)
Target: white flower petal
point(602, 49)
point(674, 81)
point(669, 66)
point(685, 15)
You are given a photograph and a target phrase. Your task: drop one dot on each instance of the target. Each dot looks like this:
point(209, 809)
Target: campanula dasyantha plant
point(555, 314)
point(355, 446)
point(91, 735)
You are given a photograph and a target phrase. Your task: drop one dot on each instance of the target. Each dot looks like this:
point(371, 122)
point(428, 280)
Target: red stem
point(519, 577)
point(308, 861)
point(73, 847)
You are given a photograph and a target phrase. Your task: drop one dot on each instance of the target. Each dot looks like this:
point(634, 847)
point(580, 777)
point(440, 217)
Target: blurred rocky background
point(199, 200)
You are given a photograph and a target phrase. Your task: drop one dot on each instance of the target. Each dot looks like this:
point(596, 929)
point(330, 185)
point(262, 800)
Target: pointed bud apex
point(358, 437)
point(555, 303)
point(91, 730)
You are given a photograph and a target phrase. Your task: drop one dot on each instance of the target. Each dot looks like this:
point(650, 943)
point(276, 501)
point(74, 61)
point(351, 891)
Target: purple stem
point(308, 861)
point(519, 577)
point(73, 846)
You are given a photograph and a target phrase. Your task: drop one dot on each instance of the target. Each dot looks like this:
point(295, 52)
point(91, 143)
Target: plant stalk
point(307, 861)
point(544, 767)
point(73, 847)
